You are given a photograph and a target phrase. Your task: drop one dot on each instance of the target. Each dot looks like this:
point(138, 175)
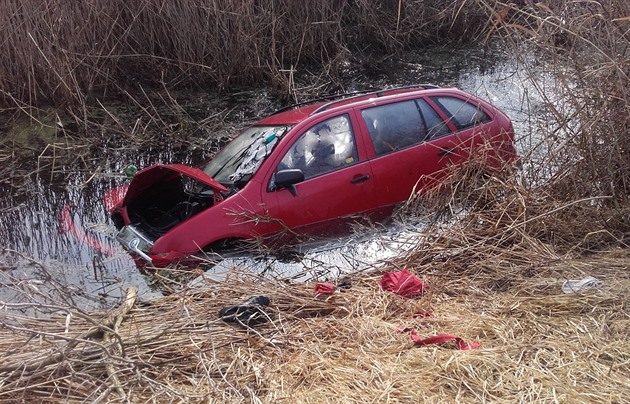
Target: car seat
point(323, 156)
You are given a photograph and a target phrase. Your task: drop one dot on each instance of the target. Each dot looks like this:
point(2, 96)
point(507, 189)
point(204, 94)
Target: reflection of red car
point(310, 169)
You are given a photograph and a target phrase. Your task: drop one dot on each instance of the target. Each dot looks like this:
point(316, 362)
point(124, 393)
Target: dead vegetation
point(585, 49)
point(495, 272)
point(122, 70)
point(69, 54)
point(490, 281)
point(537, 343)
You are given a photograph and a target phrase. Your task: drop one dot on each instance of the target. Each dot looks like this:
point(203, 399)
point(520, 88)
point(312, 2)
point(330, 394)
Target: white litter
point(575, 286)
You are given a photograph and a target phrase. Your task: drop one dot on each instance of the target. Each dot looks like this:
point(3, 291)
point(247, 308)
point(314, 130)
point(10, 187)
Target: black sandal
point(248, 313)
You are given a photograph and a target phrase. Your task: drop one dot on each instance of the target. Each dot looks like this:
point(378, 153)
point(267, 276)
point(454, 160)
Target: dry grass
point(489, 281)
point(538, 344)
point(495, 272)
point(583, 80)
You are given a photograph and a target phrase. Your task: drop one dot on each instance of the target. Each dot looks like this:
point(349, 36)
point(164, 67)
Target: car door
point(338, 187)
point(412, 148)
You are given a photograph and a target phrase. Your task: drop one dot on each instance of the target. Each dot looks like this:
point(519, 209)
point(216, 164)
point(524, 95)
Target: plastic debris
point(130, 170)
point(403, 283)
point(440, 339)
point(575, 286)
point(249, 312)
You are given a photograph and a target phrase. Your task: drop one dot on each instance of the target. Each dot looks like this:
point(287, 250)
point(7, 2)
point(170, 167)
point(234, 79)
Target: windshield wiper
point(232, 160)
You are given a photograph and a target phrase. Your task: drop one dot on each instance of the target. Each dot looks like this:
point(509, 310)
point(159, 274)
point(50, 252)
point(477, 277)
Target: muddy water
point(42, 251)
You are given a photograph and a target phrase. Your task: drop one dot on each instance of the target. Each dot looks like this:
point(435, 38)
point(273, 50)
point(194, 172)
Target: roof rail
point(340, 97)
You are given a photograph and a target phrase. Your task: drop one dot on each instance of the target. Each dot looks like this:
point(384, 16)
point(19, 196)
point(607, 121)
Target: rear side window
point(394, 126)
point(463, 114)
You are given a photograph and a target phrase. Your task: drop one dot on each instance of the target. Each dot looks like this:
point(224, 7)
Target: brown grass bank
point(488, 282)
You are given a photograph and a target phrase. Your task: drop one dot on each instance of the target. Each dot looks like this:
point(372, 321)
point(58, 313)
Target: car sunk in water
point(311, 169)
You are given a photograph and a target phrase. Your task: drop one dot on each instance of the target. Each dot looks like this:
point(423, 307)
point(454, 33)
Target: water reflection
point(77, 180)
point(363, 250)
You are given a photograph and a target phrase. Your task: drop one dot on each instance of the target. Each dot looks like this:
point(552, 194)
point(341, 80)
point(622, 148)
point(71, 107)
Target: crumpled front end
point(159, 199)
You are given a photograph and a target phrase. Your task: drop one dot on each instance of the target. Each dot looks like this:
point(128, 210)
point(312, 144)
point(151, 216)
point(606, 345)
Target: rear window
point(463, 114)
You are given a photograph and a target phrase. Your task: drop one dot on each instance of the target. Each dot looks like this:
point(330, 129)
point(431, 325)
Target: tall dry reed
point(578, 56)
point(66, 53)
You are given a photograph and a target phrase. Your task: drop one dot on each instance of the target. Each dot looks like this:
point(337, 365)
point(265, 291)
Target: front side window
point(394, 126)
point(327, 146)
point(463, 114)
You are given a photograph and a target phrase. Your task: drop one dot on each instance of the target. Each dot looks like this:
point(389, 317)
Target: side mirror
point(287, 179)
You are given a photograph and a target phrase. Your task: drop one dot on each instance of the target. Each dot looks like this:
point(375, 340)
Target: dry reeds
point(537, 344)
point(495, 271)
point(583, 81)
point(489, 281)
point(67, 54)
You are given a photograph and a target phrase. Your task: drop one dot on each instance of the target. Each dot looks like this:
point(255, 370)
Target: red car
point(310, 169)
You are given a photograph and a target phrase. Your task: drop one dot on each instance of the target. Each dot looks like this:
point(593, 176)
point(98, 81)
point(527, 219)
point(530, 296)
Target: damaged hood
point(160, 172)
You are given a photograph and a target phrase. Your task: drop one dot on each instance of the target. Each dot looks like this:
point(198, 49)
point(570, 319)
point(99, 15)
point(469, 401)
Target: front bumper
point(134, 241)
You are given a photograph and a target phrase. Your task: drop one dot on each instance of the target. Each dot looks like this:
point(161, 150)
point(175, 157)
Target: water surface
point(39, 253)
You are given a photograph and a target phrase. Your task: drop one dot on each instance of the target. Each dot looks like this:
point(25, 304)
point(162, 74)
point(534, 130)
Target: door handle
point(359, 178)
point(446, 152)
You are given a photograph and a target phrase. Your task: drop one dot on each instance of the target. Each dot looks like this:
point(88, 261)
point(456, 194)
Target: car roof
point(294, 114)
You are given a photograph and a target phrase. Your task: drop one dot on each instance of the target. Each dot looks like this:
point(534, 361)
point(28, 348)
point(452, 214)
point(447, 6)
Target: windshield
point(240, 159)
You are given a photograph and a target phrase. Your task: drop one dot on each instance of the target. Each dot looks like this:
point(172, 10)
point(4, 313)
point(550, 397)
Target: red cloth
point(422, 314)
point(403, 283)
point(439, 339)
point(324, 288)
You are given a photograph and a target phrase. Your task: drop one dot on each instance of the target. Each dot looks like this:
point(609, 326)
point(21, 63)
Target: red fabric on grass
point(422, 314)
point(440, 339)
point(403, 283)
point(325, 288)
